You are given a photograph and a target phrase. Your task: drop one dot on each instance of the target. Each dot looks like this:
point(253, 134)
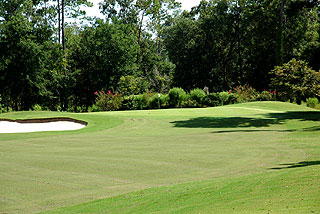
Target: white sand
point(14, 127)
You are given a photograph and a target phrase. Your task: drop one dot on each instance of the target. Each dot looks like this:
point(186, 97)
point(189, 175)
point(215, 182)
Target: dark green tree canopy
point(219, 44)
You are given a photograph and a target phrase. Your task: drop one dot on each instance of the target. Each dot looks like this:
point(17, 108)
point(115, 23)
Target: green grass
point(261, 157)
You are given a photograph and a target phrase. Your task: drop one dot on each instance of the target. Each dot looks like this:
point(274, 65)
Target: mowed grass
point(261, 157)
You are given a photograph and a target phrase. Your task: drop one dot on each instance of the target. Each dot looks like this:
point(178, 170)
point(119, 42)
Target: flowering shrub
point(244, 93)
point(110, 101)
point(267, 95)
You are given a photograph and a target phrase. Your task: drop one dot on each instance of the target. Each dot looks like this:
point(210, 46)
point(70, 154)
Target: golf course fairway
point(260, 157)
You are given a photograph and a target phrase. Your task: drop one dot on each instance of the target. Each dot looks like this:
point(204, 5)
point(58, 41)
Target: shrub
point(224, 97)
point(135, 102)
point(36, 107)
point(58, 108)
point(244, 93)
point(164, 101)
point(101, 100)
point(197, 95)
point(80, 109)
point(189, 103)
point(313, 102)
point(110, 101)
point(177, 96)
point(1, 106)
point(211, 100)
point(140, 101)
point(155, 101)
point(94, 108)
point(2, 109)
point(267, 96)
point(129, 103)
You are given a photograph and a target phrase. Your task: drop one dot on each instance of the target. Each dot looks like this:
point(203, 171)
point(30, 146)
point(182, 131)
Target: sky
point(94, 11)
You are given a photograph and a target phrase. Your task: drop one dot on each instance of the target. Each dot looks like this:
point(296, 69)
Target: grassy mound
point(246, 158)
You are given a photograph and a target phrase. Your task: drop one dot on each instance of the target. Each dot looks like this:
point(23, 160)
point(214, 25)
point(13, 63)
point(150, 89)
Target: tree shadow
point(225, 122)
point(297, 165)
point(300, 115)
point(246, 122)
point(249, 131)
point(312, 129)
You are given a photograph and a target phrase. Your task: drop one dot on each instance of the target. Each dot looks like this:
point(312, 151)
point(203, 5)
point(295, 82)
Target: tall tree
point(238, 41)
point(24, 34)
point(100, 55)
point(71, 8)
point(145, 15)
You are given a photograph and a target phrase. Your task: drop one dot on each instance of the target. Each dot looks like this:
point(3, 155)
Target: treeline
point(147, 46)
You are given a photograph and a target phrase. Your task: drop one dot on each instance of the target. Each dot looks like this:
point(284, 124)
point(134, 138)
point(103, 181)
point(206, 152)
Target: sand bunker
point(40, 125)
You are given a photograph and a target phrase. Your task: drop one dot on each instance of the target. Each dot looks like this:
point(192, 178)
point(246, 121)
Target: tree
point(185, 44)
point(24, 35)
point(73, 9)
point(237, 42)
point(105, 52)
point(147, 18)
point(204, 49)
point(295, 81)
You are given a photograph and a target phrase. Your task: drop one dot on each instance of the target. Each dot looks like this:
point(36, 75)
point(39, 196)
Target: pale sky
point(94, 11)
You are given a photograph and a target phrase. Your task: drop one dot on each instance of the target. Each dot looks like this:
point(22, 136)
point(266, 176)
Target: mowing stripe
point(257, 109)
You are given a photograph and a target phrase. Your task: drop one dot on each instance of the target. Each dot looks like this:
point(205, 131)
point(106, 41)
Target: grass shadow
point(297, 165)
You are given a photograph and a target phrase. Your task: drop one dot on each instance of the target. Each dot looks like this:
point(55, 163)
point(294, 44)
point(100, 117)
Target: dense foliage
point(179, 98)
point(296, 81)
point(148, 47)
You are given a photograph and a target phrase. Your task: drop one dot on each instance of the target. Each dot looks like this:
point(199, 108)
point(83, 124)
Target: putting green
point(123, 152)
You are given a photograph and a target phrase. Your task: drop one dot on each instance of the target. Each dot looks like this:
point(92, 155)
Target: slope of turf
point(248, 158)
point(289, 191)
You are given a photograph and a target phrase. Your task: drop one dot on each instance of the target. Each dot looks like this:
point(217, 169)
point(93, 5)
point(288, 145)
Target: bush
point(176, 97)
point(93, 108)
point(198, 96)
point(212, 100)
point(267, 96)
point(189, 103)
point(36, 107)
point(2, 109)
point(313, 103)
point(80, 109)
point(140, 101)
point(137, 102)
point(128, 103)
point(244, 93)
point(58, 108)
point(224, 97)
point(155, 101)
point(1, 106)
point(110, 101)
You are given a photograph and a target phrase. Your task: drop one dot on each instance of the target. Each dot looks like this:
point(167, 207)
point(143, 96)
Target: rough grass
point(249, 158)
